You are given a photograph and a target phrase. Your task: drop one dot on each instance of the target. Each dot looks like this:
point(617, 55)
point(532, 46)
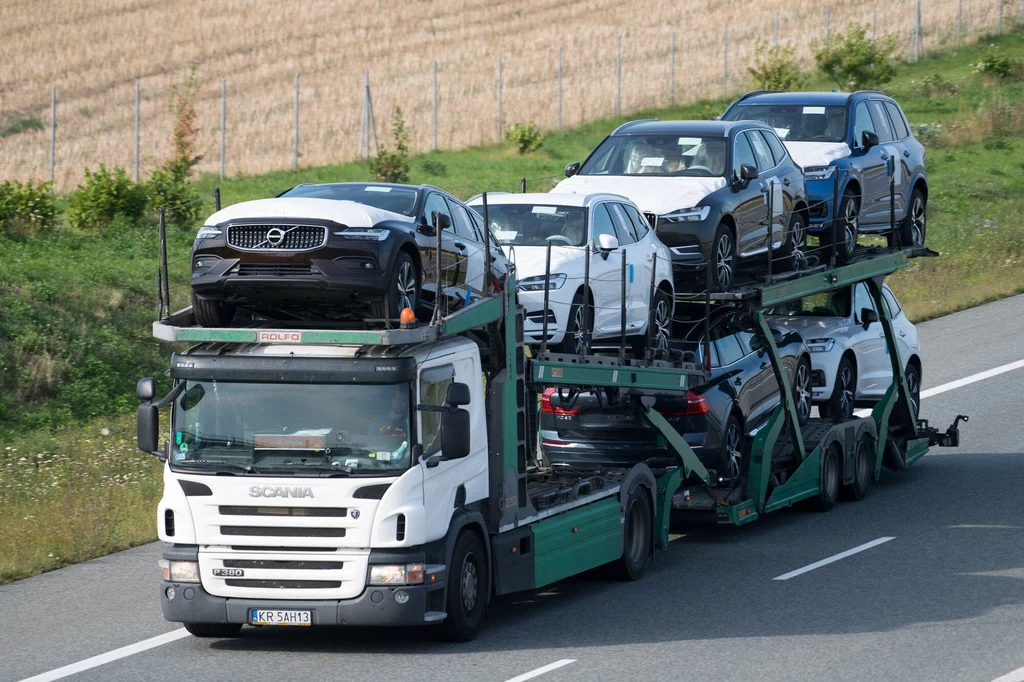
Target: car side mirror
point(748, 172)
point(145, 390)
point(572, 169)
point(455, 433)
point(868, 316)
point(440, 221)
point(457, 395)
point(606, 243)
point(426, 230)
point(868, 139)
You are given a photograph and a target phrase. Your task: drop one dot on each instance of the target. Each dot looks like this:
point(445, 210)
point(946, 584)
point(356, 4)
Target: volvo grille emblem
point(275, 236)
point(354, 513)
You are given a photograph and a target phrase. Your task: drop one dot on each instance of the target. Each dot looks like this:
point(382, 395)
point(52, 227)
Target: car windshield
point(825, 304)
point(796, 122)
point(535, 224)
point(400, 200)
point(661, 155)
point(292, 429)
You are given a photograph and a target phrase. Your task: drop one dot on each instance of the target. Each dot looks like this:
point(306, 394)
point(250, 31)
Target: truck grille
point(282, 532)
point(276, 237)
point(243, 510)
point(285, 584)
point(286, 564)
point(275, 270)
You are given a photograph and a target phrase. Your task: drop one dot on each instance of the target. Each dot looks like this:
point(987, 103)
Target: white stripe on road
point(836, 557)
point(542, 670)
point(1012, 676)
point(942, 388)
point(110, 656)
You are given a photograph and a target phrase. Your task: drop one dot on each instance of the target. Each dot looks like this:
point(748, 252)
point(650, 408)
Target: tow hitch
point(949, 439)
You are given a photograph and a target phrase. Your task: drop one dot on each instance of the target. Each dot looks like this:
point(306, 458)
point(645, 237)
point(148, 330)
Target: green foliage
point(997, 65)
point(390, 166)
point(435, 168)
point(855, 61)
point(26, 209)
point(926, 133)
point(106, 194)
point(168, 186)
point(525, 137)
point(19, 124)
point(936, 85)
point(775, 68)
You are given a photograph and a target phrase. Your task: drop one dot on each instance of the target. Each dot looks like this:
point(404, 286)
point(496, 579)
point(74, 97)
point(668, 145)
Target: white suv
point(849, 358)
point(524, 225)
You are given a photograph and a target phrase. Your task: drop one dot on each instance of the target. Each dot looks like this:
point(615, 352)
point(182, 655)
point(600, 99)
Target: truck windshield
point(292, 429)
point(796, 122)
point(664, 155)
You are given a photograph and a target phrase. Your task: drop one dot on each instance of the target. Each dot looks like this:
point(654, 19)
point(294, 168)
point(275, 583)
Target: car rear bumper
point(585, 454)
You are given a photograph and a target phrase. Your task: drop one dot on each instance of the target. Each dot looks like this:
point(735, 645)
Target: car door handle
point(764, 365)
point(884, 157)
point(902, 334)
point(906, 153)
point(738, 381)
point(460, 246)
point(786, 182)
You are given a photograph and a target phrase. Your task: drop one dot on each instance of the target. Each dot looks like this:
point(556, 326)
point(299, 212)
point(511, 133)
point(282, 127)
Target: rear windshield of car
point(400, 200)
point(659, 155)
point(534, 224)
point(796, 122)
point(825, 304)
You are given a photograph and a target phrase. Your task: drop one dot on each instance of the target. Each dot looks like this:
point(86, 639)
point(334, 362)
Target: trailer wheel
point(828, 481)
point(213, 629)
point(636, 536)
point(862, 459)
point(468, 589)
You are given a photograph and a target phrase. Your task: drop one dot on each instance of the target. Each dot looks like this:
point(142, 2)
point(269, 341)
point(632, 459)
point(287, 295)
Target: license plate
point(273, 617)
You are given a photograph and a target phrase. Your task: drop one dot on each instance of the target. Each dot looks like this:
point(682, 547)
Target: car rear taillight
point(696, 404)
point(545, 404)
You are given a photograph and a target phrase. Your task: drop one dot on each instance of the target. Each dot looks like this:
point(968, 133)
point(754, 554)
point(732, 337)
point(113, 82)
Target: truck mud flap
point(513, 557)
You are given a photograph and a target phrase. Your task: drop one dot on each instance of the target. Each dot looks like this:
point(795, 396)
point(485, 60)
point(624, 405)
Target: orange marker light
point(407, 317)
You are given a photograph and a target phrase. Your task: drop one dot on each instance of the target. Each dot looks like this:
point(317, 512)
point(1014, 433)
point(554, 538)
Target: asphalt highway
point(943, 599)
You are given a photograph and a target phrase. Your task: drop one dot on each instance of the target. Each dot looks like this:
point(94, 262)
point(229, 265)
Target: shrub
point(105, 194)
point(432, 167)
point(855, 61)
point(774, 68)
point(926, 133)
point(19, 124)
point(936, 86)
point(390, 166)
point(997, 65)
point(26, 209)
point(526, 137)
point(168, 186)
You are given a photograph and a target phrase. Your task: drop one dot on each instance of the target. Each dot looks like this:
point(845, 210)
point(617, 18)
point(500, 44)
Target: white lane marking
point(110, 656)
point(836, 557)
point(942, 388)
point(1012, 676)
point(542, 670)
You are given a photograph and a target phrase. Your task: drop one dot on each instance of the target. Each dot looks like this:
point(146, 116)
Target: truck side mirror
point(457, 395)
point(145, 390)
point(868, 140)
point(572, 169)
point(149, 430)
point(455, 433)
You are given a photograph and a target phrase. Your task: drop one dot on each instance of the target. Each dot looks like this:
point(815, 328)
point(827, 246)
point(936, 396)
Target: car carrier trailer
point(323, 542)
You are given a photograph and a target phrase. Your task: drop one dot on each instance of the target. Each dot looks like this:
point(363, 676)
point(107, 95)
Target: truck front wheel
point(636, 536)
point(468, 589)
point(213, 629)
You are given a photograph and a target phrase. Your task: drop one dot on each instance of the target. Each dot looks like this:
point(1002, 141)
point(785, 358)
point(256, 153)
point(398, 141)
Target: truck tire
point(212, 313)
point(828, 478)
point(637, 531)
point(468, 589)
point(213, 629)
point(403, 290)
point(862, 469)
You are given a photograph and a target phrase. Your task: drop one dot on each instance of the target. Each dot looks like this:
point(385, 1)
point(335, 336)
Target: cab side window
point(435, 202)
point(742, 155)
point(861, 122)
point(434, 383)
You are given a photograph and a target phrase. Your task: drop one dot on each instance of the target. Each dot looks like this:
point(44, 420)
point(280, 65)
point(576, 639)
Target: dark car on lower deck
point(589, 430)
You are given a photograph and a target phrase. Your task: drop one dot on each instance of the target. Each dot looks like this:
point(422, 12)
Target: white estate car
point(524, 225)
point(849, 359)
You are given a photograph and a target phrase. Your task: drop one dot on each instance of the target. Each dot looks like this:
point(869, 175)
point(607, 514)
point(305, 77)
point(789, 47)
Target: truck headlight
point(820, 345)
point(207, 232)
point(180, 571)
point(366, 234)
point(537, 283)
point(819, 172)
point(410, 574)
point(686, 215)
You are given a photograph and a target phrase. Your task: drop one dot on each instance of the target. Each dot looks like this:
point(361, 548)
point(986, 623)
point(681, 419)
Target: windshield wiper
point(246, 467)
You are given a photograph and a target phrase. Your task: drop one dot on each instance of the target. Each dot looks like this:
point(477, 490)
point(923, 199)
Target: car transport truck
point(317, 474)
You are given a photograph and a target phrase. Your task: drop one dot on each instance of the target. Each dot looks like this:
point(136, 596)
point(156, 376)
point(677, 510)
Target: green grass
point(75, 309)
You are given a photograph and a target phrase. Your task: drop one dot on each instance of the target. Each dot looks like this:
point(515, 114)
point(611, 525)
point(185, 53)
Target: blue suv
point(862, 136)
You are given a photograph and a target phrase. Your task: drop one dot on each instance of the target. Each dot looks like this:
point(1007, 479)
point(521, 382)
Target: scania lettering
point(279, 491)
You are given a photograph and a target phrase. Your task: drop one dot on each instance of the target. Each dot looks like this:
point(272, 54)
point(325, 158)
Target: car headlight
point(686, 215)
point(202, 263)
point(180, 571)
point(207, 232)
point(819, 172)
point(411, 574)
point(820, 345)
point(537, 283)
point(366, 234)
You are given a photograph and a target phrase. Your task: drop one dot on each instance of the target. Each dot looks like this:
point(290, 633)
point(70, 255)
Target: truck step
point(434, 616)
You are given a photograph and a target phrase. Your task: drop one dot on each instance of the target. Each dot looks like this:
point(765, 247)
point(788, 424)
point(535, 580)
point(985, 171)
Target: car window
point(602, 224)
point(896, 116)
point(882, 125)
point(662, 154)
point(862, 299)
point(741, 329)
point(624, 226)
point(761, 151)
point(861, 122)
point(742, 155)
point(639, 221)
point(392, 198)
point(824, 304)
point(434, 384)
point(795, 122)
point(435, 202)
point(463, 225)
point(478, 226)
point(725, 343)
point(891, 303)
point(775, 144)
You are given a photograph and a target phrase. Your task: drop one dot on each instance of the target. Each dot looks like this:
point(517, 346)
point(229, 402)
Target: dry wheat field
point(95, 51)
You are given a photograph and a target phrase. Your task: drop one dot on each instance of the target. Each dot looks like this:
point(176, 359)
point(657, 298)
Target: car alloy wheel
point(579, 332)
point(850, 227)
point(732, 446)
point(914, 388)
point(723, 261)
point(917, 221)
point(662, 321)
point(844, 385)
point(406, 283)
point(802, 391)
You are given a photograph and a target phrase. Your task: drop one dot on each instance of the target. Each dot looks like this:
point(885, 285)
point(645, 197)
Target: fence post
point(499, 99)
point(366, 112)
point(295, 162)
point(163, 260)
point(216, 198)
point(223, 122)
point(435, 106)
point(53, 137)
point(725, 62)
point(1000, 17)
point(559, 88)
point(618, 75)
point(138, 116)
point(959, 20)
point(917, 21)
point(776, 29)
point(672, 72)
point(874, 20)
point(828, 24)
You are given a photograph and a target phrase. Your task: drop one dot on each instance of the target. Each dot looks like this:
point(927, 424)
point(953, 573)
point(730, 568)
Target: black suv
point(705, 185)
